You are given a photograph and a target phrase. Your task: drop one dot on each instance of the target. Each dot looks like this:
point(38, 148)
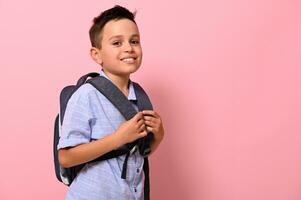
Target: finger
point(138, 116)
point(151, 113)
point(148, 112)
point(148, 118)
point(143, 134)
point(149, 129)
point(140, 122)
point(149, 123)
point(152, 121)
point(142, 127)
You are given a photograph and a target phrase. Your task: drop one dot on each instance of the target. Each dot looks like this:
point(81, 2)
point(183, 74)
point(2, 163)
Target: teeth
point(128, 59)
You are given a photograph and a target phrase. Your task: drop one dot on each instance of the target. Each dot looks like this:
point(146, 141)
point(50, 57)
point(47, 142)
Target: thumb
point(143, 134)
point(138, 116)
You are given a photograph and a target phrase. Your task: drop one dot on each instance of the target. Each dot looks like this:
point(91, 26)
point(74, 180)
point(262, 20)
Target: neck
point(120, 81)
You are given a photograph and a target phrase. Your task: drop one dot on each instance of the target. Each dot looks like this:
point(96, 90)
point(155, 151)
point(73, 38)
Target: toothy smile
point(129, 60)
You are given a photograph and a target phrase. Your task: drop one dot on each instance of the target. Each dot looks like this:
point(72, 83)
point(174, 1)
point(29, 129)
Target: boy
point(90, 116)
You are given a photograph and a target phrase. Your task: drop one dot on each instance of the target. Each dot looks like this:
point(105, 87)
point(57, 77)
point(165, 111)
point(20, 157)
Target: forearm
point(154, 145)
point(86, 152)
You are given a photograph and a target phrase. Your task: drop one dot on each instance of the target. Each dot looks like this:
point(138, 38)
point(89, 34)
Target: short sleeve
point(76, 127)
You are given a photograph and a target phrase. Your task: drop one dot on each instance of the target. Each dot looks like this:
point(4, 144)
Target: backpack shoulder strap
point(123, 105)
point(114, 95)
point(119, 100)
point(84, 78)
point(67, 92)
point(146, 180)
point(144, 102)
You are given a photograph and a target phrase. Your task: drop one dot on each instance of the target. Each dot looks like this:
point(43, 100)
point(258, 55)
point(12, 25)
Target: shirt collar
point(132, 95)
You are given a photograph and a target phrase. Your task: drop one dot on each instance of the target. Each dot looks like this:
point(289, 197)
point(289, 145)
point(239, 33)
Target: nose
point(128, 47)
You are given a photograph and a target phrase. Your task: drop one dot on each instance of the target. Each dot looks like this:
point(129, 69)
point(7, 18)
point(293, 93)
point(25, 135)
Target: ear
point(96, 55)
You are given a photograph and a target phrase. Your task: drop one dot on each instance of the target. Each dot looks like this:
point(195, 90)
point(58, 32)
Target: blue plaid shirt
point(90, 115)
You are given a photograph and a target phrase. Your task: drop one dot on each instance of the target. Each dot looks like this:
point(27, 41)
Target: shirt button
point(138, 170)
point(135, 190)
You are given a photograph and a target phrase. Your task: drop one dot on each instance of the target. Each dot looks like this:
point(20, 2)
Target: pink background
point(224, 75)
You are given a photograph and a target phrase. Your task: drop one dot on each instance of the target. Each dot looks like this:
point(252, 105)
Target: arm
point(83, 153)
point(154, 145)
point(127, 132)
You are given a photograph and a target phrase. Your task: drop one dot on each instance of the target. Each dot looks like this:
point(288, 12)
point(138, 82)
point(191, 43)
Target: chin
point(131, 69)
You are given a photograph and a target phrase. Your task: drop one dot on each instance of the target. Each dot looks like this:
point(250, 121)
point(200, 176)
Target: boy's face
point(120, 52)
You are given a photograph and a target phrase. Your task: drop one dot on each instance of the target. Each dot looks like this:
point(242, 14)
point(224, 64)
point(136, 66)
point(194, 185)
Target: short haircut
point(115, 13)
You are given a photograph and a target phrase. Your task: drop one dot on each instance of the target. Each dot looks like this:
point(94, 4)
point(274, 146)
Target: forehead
point(123, 27)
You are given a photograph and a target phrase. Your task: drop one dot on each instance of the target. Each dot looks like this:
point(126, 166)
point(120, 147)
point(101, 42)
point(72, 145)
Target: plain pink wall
point(224, 75)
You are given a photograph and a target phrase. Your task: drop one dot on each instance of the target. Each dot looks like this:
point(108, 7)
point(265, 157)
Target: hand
point(154, 124)
point(132, 129)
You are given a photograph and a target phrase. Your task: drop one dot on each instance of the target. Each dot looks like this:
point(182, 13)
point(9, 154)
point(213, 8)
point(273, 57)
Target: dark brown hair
point(115, 13)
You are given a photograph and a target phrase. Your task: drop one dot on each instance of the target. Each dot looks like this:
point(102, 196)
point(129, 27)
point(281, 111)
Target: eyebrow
point(120, 36)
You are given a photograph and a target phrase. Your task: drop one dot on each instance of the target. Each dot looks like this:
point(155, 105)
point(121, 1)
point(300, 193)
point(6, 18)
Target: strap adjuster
point(133, 150)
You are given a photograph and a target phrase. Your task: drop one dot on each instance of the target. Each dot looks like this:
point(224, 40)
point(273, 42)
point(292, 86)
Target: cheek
point(111, 54)
point(139, 50)
point(141, 56)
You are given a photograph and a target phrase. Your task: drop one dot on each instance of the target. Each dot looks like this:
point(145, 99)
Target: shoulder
point(84, 94)
point(85, 89)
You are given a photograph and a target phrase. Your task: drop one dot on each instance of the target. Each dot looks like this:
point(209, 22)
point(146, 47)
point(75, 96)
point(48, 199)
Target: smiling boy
point(89, 116)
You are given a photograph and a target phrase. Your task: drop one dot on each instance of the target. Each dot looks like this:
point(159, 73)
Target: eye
point(135, 42)
point(116, 43)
